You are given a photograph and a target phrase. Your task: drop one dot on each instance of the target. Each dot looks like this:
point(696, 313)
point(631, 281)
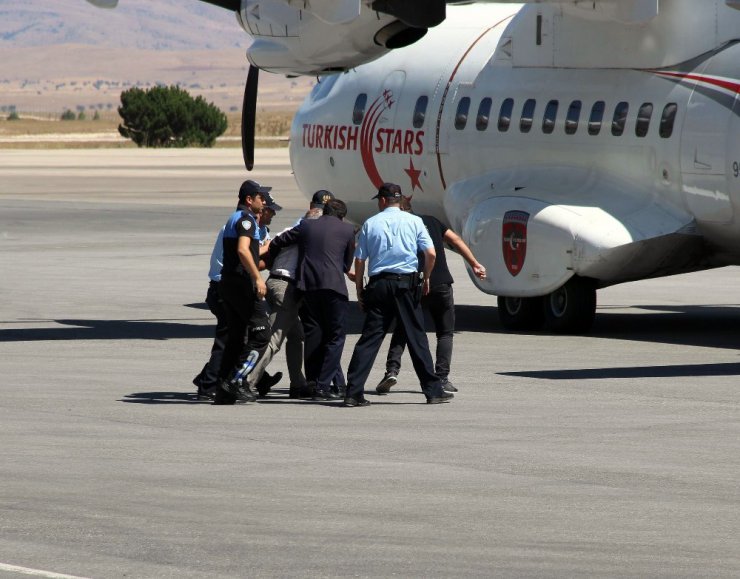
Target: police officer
point(242, 289)
point(439, 302)
point(207, 380)
point(388, 243)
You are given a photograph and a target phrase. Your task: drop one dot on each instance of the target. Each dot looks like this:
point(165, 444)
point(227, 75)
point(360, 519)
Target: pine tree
point(169, 117)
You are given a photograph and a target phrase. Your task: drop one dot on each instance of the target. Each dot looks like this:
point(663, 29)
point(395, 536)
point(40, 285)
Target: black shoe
point(266, 383)
point(384, 386)
point(241, 392)
point(325, 395)
point(245, 394)
point(207, 391)
point(447, 386)
point(223, 398)
point(300, 392)
point(352, 403)
point(441, 399)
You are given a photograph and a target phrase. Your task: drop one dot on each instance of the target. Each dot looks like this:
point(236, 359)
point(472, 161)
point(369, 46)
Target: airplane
point(573, 144)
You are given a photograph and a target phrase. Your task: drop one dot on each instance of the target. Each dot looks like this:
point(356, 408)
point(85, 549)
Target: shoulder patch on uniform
point(247, 225)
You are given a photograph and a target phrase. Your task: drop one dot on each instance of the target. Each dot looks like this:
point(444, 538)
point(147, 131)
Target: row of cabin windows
point(572, 118)
point(526, 121)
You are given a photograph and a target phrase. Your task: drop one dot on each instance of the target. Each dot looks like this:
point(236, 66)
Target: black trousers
point(248, 327)
point(386, 300)
point(209, 374)
point(441, 307)
point(323, 314)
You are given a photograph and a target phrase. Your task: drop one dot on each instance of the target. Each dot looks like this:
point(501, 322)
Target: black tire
point(572, 308)
point(521, 313)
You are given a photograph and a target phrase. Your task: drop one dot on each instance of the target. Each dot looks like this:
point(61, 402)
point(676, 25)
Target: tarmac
point(615, 454)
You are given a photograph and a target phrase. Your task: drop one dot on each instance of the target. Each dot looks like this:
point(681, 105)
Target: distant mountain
point(142, 24)
point(68, 54)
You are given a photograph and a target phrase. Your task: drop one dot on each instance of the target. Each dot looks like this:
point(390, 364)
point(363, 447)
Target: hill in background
point(142, 24)
point(68, 54)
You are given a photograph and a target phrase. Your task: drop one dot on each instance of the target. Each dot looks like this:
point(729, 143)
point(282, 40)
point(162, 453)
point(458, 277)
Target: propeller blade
point(249, 116)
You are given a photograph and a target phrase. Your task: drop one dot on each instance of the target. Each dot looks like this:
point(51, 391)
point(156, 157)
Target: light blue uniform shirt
point(390, 240)
point(217, 257)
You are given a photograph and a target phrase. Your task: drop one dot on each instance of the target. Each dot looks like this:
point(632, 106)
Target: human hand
point(261, 288)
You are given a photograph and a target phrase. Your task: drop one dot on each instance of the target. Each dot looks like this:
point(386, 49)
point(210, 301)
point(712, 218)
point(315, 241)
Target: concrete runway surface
point(615, 454)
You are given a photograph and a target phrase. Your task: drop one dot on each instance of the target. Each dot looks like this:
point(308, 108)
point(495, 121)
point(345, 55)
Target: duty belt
point(395, 276)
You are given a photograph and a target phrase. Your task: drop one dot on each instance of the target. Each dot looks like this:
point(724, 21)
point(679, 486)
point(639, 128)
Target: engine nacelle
point(293, 38)
point(536, 227)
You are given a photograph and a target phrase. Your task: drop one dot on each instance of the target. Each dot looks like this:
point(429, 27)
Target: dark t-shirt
point(440, 273)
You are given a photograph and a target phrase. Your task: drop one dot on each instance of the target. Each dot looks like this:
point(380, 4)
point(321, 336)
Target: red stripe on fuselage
point(726, 84)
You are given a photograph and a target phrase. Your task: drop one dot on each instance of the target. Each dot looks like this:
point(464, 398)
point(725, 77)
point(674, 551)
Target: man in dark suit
point(326, 247)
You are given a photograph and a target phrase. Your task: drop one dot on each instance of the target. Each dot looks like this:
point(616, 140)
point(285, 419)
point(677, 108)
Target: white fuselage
point(558, 167)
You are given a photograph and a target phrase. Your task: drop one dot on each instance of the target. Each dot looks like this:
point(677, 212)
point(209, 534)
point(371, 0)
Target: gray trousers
point(285, 302)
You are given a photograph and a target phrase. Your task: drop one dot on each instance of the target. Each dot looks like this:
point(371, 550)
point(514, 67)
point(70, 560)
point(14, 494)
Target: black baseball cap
point(270, 202)
point(251, 188)
point(320, 198)
point(389, 191)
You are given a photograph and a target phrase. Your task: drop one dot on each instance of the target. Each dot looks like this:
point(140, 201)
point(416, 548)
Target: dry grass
point(272, 126)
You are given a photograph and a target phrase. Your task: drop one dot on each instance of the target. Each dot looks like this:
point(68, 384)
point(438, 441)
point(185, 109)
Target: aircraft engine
point(324, 36)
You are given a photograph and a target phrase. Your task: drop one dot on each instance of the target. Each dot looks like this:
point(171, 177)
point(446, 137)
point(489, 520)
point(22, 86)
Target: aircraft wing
point(617, 10)
point(316, 37)
point(233, 5)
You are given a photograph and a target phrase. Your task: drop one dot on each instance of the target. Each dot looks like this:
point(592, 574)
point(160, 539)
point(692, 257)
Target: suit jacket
point(326, 246)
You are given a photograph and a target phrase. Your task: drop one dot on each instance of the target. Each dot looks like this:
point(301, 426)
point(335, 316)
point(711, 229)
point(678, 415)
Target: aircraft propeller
point(249, 116)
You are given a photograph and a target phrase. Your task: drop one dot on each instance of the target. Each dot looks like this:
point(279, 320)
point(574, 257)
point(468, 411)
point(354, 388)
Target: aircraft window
point(643, 119)
point(461, 118)
point(525, 123)
point(358, 113)
point(597, 116)
point(420, 111)
point(574, 115)
point(667, 120)
point(484, 112)
point(504, 117)
point(548, 121)
point(620, 118)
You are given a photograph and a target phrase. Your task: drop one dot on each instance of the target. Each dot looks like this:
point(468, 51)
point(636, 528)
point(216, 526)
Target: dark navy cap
point(320, 198)
point(270, 202)
point(251, 188)
point(389, 191)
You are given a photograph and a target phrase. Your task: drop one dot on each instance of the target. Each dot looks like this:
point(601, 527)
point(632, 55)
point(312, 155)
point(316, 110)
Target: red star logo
point(414, 175)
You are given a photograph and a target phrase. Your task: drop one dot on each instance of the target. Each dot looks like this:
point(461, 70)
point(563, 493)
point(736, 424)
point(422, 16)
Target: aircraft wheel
point(521, 313)
point(571, 309)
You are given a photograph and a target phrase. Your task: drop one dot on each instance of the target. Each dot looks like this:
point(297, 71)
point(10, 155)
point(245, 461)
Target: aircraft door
point(704, 157)
point(733, 152)
point(454, 115)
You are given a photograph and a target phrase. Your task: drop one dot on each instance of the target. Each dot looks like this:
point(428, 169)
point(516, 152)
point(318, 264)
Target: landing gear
point(571, 309)
point(568, 310)
point(521, 313)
